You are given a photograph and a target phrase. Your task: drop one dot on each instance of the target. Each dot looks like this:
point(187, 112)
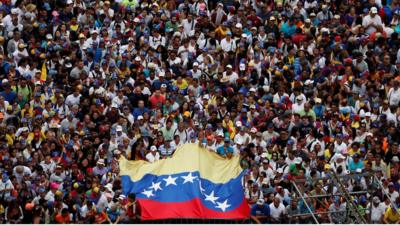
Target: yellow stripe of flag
point(187, 158)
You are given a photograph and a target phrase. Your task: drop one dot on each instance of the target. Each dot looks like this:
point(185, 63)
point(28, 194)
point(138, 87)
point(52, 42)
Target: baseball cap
point(297, 161)
point(260, 201)
point(374, 10)
point(118, 128)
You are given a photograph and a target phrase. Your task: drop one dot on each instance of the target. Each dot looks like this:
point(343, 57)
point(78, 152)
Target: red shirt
point(157, 102)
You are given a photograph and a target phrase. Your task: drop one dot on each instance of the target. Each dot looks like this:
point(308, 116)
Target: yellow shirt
point(30, 112)
point(183, 85)
point(74, 27)
point(221, 32)
point(391, 216)
point(10, 139)
point(352, 151)
point(327, 154)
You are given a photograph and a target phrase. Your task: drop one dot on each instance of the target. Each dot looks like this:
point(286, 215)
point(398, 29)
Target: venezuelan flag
point(194, 183)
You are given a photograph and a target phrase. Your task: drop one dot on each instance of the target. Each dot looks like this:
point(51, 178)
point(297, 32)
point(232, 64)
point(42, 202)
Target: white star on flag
point(170, 180)
point(156, 186)
point(148, 193)
point(188, 178)
point(223, 205)
point(211, 197)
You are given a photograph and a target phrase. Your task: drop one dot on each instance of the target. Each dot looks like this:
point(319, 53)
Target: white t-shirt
point(228, 46)
point(232, 78)
point(393, 196)
point(276, 212)
point(72, 100)
point(6, 185)
point(243, 139)
point(152, 158)
point(377, 212)
point(340, 147)
point(394, 96)
point(368, 19)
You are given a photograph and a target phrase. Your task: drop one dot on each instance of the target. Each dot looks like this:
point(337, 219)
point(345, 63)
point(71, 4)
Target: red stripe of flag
point(193, 209)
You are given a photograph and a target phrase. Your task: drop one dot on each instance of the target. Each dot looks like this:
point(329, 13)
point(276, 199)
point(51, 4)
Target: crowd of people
point(301, 90)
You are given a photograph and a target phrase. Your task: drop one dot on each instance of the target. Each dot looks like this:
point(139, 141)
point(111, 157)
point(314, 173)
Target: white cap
point(368, 114)
point(253, 130)
point(101, 162)
point(118, 128)
point(279, 170)
point(153, 148)
point(252, 89)
point(117, 152)
point(140, 117)
point(161, 74)
point(298, 161)
point(69, 2)
point(49, 36)
point(260, 201)
point(244, 35)
point(238, 124)
point(137, 58)
point(229, 66)
point(308, 82)
point(195, 64)
point(136, 20)
point(324, 29)
point(242, 67)
point(374, 10)
point(239, 26)
point(307, 20)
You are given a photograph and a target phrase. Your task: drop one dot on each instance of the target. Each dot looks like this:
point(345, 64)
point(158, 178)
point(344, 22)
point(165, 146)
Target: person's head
point(277, 202)
point(373, 11)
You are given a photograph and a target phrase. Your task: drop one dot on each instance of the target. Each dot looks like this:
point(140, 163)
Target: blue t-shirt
point(10, 97)
point(221, 150)
point(353, 166)
point(256, 210)
point(113, 215)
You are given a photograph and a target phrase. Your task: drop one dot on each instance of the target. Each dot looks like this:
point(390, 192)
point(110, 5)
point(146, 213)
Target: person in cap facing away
point(260, 211)
point(376, 211)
